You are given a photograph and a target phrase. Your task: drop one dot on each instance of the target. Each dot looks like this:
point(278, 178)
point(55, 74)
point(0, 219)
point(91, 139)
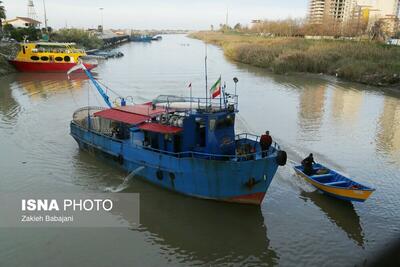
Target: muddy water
point(351, 127)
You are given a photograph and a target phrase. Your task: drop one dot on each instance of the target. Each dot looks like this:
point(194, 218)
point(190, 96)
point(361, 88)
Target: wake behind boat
point(335, 184)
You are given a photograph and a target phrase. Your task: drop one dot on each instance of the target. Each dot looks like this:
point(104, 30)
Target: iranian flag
point(216, 88)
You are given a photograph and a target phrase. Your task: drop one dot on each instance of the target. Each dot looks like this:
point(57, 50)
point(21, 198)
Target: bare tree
point(377, 31)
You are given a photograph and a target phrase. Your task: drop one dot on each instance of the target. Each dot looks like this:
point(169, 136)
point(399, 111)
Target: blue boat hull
point(223, 180)
point(336, 185)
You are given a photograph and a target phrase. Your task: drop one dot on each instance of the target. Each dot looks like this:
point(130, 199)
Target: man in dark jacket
point(265, 143)
point(307, 164)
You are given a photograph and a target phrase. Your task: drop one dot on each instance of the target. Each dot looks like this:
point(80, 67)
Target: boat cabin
point(45, 52)
point(175, 128)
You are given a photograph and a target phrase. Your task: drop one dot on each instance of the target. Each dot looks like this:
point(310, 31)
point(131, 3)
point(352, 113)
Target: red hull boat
point(49, 57)
point(45, 67)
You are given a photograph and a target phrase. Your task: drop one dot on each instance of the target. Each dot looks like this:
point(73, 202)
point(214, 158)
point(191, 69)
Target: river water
point(350, 127)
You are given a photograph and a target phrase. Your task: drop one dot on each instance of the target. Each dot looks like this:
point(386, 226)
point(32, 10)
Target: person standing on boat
point(307, 164)
point(265, 142)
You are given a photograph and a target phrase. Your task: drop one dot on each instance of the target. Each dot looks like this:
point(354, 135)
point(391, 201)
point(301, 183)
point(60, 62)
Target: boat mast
point(205, 66)
point(81, 66)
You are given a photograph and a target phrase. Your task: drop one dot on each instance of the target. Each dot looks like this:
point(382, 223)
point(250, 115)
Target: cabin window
point(59, 59)
point(212, 124)
point(67, 59)
point(23, 49)
point(177, 143)
point(34, 58)
point(44, 58)
point(201, 130)
point(229, 121)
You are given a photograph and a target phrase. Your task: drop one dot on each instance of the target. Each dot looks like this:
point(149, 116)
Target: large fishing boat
point(48, 57)
point(184, 144)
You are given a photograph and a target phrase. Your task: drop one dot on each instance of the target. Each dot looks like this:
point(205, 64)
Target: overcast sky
point(157, 14)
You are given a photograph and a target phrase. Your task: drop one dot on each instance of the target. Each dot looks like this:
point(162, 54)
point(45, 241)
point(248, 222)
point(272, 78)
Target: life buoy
point(281, 158)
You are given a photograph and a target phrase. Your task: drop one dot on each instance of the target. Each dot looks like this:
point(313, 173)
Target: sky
point(157, 14)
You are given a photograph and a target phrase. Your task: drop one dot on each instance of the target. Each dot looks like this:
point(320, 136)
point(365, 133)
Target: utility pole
point(226, 18)
point(45, 15)
point(101, 14)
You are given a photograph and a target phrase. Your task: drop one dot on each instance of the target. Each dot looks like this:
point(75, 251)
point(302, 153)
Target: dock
point(112, 39)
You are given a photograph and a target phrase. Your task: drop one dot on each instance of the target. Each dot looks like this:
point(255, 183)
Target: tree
point(20, 34)
point(377, 31)
point(237, 27)
point(2, 16)
point(81, 37)
point(7, 29)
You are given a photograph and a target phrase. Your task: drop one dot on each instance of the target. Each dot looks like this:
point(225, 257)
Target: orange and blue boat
point(335, 184)
point(49, 57)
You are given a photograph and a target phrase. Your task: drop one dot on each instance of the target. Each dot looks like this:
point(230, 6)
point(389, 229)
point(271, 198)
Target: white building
point(22, 22)
point(386, 11)
point(344, 10)
point(387, 7)
point(338, 10)
point(316, 12)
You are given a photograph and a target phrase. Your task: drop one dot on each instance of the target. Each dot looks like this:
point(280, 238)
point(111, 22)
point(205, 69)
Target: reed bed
point(359, 61)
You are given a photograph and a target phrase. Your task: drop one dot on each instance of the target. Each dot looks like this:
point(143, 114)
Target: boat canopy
point(121, 116)
point(143, 109)
point(160, 128)
point(55, 44)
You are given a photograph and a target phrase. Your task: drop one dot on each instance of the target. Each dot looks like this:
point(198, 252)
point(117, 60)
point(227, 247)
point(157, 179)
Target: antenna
point(31, 10)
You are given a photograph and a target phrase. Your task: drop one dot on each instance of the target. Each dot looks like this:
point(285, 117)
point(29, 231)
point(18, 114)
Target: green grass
point(81, 37)
point(364, 61)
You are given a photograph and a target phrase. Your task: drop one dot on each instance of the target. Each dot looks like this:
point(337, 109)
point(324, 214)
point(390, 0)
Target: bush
point(19, 34)
point(80, 37)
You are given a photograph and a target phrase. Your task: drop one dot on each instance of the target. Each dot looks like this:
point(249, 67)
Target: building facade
point(23, 22)
point(365, 12)
point(338, 10)
point(387, 8)
point(316, 11)
point(344, 10)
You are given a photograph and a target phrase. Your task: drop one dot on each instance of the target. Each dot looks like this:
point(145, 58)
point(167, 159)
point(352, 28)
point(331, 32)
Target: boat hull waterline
point(45, 67)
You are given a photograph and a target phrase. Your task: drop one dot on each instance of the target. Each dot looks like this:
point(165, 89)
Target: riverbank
point(364, 62)
point(6, 49)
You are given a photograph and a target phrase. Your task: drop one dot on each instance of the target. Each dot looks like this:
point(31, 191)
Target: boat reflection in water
point(342, 213)
point(200, 231)
point(42, 83)
point(388, 131)
point(9, 106)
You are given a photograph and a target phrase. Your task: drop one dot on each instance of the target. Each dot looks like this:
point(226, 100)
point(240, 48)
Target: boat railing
point(58, 50)
point(236, 157)
point(255, 138)
point(80, 119)
point(208, 156)
point(226, 101)
point(82, 115)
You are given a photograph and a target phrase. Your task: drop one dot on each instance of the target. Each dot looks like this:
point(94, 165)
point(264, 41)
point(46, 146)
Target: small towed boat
point(335, 184)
